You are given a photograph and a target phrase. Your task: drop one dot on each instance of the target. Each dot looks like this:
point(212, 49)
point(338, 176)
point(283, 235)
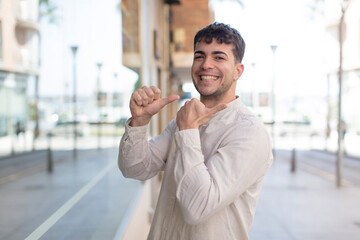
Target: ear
point(239, 69)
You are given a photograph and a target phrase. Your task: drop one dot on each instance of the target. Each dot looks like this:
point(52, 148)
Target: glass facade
point(13, 102)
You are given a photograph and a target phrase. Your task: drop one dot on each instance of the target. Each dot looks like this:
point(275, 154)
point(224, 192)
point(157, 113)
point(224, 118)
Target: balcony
point(26, 13)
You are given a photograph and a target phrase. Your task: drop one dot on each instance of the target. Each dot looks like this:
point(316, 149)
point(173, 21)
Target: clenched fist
point(145, 103)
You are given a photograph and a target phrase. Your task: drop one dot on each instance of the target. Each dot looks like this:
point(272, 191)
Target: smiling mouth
point(203, 77)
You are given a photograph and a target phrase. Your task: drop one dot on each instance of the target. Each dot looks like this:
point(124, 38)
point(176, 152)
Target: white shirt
point(212, 175)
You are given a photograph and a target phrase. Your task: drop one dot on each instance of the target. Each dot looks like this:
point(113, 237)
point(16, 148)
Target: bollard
point(49, 154)
point(99, 135)
point(49, 161)
point(293, 160)
point(12, 145)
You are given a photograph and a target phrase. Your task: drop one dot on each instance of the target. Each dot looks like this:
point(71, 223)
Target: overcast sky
point(95, 27)
point(299, 59)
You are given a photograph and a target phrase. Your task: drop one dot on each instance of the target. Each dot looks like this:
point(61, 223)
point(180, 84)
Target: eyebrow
point(214, 52)
point(199, 52)
point(219, 52)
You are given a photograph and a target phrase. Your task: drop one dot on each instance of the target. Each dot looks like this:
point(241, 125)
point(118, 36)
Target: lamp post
point(99, 65)
point(340, 151)
point(36, 112)
point(114, 105)
point(74, 50)
point(254, 95)
point(273, 102)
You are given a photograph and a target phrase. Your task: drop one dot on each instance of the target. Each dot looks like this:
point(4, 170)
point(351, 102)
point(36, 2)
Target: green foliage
point(32, 111)
point(48, 10)
point(316, 8)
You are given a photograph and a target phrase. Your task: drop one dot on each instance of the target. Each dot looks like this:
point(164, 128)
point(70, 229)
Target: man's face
point(214, 70)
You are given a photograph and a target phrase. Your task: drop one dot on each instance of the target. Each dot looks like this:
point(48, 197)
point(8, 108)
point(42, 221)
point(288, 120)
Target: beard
point(217, 94)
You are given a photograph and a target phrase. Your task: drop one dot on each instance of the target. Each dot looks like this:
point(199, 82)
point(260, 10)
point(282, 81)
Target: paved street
point(85, 198)
point(324, 164)
point(306, 204)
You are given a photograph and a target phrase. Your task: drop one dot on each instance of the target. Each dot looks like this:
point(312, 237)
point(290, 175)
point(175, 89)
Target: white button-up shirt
point(212, 175)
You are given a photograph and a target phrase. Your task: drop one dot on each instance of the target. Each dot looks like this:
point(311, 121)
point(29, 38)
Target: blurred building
point(187, 19)
point(158, 44)
point(19, 38)
point(350, 62)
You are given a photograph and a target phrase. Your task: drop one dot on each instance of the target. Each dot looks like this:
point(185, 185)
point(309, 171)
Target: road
point(86, 198)
point(324, 164)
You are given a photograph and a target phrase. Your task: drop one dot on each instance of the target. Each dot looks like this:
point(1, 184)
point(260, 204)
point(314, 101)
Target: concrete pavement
point(305, 205)
point(86, 198)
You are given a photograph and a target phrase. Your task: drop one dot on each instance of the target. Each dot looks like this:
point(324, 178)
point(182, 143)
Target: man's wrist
point(187, 126)
point(138, 122)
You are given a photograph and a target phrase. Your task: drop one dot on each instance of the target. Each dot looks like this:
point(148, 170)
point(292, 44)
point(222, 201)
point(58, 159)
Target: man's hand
point(194, 114)
point(145, 103)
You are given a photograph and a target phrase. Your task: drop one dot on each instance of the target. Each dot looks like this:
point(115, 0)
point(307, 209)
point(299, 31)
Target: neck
point(212, 101)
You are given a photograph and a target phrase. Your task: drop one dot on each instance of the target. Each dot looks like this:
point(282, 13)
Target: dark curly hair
point(223, 33)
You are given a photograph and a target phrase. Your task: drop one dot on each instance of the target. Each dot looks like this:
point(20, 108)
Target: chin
point(206, 92)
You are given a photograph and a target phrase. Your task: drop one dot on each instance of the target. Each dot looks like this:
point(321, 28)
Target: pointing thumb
point(218, 108)
point(165, 101)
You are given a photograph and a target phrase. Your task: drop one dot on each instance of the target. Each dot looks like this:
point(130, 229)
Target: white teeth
point(208, 77)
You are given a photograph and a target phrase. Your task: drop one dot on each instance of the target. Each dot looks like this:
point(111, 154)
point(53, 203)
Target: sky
point(95, 27)
point(298, 61)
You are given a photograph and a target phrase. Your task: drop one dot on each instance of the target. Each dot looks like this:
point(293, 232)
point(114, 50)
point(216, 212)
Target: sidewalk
point(86, 198)
point(25, 144)
point(304, 206)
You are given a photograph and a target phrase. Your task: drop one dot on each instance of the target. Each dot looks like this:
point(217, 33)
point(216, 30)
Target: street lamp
point(114, 105)
point(114, 97)
point(340, 151)
point(273, 102)
point(74, 50)
point(99, 65)
point(254, 93)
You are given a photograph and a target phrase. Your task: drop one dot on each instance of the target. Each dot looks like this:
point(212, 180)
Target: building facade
point(145, 31)
point(19, 42)
point(187, 18)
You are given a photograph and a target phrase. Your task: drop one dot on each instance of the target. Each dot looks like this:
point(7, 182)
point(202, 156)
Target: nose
point(207, 63)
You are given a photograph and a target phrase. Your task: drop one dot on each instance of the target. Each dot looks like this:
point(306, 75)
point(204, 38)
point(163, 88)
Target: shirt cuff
point(135, 133)
point(188, 138)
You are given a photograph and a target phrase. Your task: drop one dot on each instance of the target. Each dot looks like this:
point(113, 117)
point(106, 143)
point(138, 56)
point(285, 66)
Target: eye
point(198, 56)
point(219, 58)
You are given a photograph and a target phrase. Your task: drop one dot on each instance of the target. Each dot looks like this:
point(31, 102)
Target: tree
point(47, 10)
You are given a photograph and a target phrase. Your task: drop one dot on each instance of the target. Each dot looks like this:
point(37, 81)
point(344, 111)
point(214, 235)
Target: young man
point(214, 154)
